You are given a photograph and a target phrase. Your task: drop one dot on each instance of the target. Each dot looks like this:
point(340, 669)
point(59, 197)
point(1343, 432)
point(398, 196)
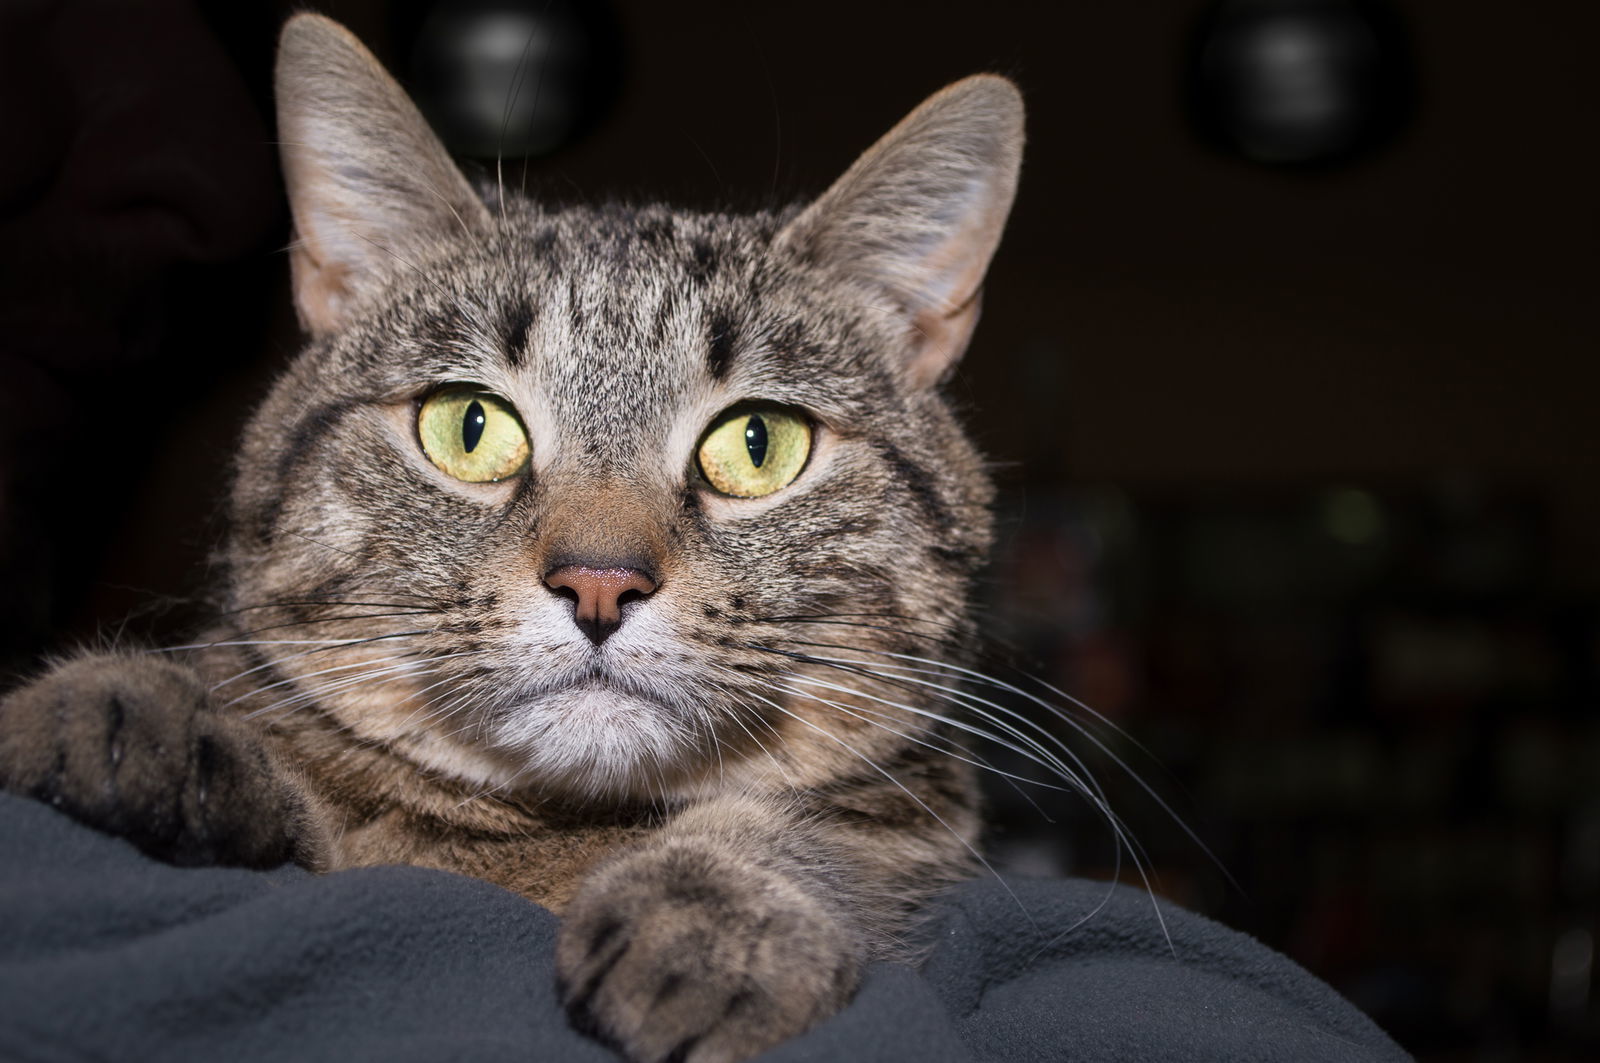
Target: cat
point(617, 555)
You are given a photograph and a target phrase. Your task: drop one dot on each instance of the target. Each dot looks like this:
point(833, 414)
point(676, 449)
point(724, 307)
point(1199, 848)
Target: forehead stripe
point(719, 355)
point(518, 320)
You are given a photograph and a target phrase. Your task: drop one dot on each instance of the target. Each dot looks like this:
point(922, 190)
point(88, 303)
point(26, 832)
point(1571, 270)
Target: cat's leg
point(727, 932)
point(132, 746)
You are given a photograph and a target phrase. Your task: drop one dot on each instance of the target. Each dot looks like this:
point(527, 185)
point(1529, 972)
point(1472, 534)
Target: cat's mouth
point(600, 680)
point(597, 734)
point(599, 685)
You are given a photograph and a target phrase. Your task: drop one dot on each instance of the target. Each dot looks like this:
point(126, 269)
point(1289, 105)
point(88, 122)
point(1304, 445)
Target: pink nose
point(599, 594)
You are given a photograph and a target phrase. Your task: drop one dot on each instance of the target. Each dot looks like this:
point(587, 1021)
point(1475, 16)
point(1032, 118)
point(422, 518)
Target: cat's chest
point(378, 807)
point(544, 865)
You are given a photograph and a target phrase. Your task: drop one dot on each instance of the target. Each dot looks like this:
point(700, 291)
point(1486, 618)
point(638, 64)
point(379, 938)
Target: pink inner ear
point(320, 292)
point(951, 283)
point(940, 339)
point(920, 213)
point(365, 173)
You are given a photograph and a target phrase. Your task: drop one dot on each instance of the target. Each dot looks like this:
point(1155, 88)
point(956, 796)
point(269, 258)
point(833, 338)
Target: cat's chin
point(594, 739)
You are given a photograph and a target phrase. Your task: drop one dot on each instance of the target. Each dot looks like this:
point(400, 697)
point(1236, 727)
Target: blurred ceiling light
point(511, 78)
point(1299, 82)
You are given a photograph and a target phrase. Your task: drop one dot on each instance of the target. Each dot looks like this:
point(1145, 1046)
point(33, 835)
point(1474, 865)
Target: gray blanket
point(105, 954)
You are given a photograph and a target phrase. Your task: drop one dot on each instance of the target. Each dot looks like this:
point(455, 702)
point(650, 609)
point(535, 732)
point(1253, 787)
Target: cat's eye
point(472, 435)
point(749, 452)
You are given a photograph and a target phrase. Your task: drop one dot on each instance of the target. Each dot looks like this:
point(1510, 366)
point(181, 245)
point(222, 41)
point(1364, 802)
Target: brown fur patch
point(736, 797)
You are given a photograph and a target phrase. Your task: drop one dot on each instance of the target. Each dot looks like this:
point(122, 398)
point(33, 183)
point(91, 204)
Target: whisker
point(438, 712)
point(788, 780)
point(942, 640)
point(324, 671)
point(816, 618)
point(332, 645)
point(324, 602)
point(409, 658)
point(1082, 779)
point(875, 719)
point(794, 677)
point(1078, 726)
point(320, 690)
point(419, 667)
point(979, 676)
point(334, 619)
point(903, 789)
point(954, 694)
point(248, 642)
point(518, 76)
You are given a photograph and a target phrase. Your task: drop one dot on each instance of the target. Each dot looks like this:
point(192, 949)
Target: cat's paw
point(690, 953)
point(128, 745)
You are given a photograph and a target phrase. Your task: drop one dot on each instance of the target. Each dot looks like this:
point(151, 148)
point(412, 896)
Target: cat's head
point(580, 499)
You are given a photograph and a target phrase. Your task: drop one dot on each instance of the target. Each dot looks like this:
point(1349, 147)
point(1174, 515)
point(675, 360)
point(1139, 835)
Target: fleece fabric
point(108, 955)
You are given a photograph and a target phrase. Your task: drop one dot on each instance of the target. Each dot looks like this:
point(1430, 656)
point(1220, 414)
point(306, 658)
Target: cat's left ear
point(370, 185)
point(919, 215)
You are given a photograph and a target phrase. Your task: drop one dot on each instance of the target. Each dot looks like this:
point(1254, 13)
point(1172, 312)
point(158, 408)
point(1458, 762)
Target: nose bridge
point(603, 526)
point(602, 547)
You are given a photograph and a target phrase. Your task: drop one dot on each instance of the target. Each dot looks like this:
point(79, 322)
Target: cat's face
point(719, 435)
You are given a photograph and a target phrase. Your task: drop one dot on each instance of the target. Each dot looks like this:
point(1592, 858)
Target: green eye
point(472, 435)
point(753, 452)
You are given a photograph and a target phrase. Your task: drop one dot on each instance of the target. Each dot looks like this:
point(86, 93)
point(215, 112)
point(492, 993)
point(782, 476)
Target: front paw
point(690, 952)
point(128, 745)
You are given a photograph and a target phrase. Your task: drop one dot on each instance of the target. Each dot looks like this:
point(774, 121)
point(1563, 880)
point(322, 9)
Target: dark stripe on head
point(920, 483)
point(440, 327)
point(705, 260)
point(657, 232)
point(719, 355)
point(305, 433)
point(514, 334)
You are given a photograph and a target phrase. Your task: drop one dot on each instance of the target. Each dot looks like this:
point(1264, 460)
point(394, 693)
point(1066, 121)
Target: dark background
point(1298, 463)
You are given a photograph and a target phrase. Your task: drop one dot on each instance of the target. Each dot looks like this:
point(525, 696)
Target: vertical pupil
point(472, 426)
point(755, 440)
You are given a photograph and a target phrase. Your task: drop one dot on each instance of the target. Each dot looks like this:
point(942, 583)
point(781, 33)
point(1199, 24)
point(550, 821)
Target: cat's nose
point(598, 595)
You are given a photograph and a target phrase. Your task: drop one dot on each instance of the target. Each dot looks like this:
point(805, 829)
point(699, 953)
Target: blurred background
point(1287, 368)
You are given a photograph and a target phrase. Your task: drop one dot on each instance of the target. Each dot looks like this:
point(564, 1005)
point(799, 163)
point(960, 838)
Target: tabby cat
point(618, 555)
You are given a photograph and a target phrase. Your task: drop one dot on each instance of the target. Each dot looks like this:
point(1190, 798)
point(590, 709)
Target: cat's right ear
point(368, 180)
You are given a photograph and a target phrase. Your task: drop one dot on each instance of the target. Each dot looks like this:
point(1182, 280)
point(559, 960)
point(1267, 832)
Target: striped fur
point(731, 806)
